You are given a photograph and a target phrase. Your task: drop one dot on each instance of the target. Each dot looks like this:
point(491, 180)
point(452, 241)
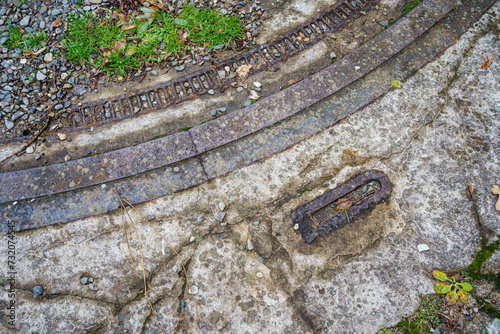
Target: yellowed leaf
point(488, 62)
point(34, 54)
point(496, 190)
point(243, 70)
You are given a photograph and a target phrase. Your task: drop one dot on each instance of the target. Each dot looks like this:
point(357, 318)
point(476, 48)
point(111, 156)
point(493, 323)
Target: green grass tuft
point(152, 36)
point(15, 37)
point(412, 5)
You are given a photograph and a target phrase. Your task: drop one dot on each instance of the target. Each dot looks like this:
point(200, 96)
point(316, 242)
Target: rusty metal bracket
point(343, 205)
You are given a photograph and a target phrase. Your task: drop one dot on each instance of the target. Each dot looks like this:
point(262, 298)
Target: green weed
point(34, 41)
point(15, 37)
point(116, 46)
point(412, 5)
point(454, 290)
point(425, 318)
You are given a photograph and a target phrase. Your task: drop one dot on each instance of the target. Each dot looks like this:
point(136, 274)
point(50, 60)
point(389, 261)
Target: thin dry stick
point(126, 238)
point(182, 263)
point(143, 265)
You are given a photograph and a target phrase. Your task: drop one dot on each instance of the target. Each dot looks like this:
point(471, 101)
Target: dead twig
point(30, 142)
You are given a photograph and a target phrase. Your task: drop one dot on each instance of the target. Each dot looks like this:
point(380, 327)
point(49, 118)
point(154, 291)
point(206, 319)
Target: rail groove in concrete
point(81, 188)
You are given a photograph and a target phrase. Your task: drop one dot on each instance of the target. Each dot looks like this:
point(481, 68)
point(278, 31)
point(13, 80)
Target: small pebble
point(262, 260)
point(468, 318)
point(180, 68)
point(296, 226)
point(30, 150)
point(211, 92)
point(249, 245)
point(333, 55)
point(192, 239)
point(222, 206)
point(93, 287)
point(357, 68)
point(257, 84)
point(84, 280)
point(223, 224)
point(37, 290)
point(384, 23)
point(257, 223)
point(247, 103)
point(219, 215)
point(183, 303)
point(213, 112)
point(154, 72)
point(497, 109)
point(259, 275)
point(222, 109)
point(91, 279)
point(423, 248)
point(193, 290)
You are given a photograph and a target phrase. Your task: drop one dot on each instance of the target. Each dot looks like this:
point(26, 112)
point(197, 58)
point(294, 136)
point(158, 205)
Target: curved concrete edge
point(73, 205)
point(322, 84)
point(111, 166)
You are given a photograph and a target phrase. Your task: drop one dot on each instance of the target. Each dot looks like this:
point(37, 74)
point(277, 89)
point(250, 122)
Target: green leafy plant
point(15, 37)
point(412, 5)
point(425, 318)
point(454, 290)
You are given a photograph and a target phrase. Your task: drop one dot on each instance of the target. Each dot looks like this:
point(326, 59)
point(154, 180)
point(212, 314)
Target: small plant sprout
point(454, 290)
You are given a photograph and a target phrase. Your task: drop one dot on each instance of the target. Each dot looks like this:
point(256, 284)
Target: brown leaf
point(293, 81)
point(62, 136)
point(496, 190)
point(59, 46)
point(243, 70)
point(34, 54)
point(119, 45)
point(488, 62)
point(106, 54)
point(57, 23)
point(128, 27)
point(471, 188)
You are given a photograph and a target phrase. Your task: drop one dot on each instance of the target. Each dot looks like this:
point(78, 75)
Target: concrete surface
point(432, 138)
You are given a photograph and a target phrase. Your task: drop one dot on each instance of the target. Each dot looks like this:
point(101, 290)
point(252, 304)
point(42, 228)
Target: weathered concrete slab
point(432, 138)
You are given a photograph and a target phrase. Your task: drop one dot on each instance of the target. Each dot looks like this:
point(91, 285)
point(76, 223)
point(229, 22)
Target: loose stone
point(211, 92)
point(333, 55)
point(249, 245)
point(192, 239)
point(40, 76)
point(9, 124)
point(37, 290)
point(384, 23)
point(180, 68)
point(497, 109)
point(93, 287)
point(262, 260)
point(213, 112)
point(222, 206)
point(154, 72)
point(222, 109)
point(193, 290)
point(259, 275)
point(247, 103)
point(222, 74)
point(48, 57)
point(296, 226)
point(84, 280)
point(183, 303)
point(423, 248)
point(256, 223)
point(219, 215)
point(30, 150)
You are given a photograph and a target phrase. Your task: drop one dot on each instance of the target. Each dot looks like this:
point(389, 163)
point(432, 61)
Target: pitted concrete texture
point(432, 138)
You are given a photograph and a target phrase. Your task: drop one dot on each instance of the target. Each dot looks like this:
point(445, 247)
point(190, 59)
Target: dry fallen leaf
point(57, 23)
point(119, 45)
point(488, 62)
point(243, 70)
point(496, 190)
point(62, 136)
point(128, 27)
point(253, 95)
point(471, 188)
point(34, 54)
